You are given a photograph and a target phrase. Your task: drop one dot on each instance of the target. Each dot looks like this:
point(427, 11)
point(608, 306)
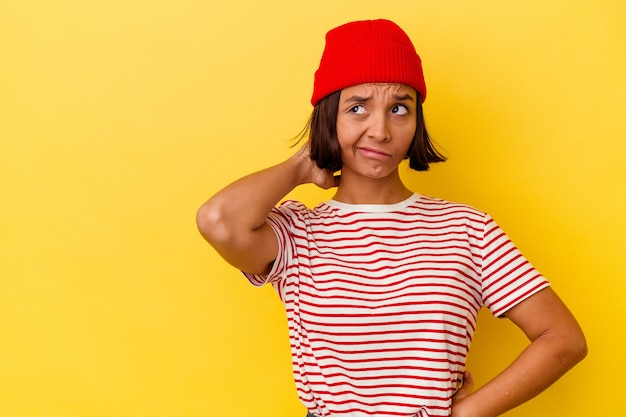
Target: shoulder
point(440, 207)
point(298, 211)
point(293, 205)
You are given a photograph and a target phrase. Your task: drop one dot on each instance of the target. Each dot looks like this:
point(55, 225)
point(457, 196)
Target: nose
point(378, 128)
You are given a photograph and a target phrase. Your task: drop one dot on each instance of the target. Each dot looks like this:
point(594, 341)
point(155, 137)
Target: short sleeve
point(281, 220)
point(508, 277)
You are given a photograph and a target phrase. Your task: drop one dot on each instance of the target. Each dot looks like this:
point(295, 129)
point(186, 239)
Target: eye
point(358, 109)
point(400, 109)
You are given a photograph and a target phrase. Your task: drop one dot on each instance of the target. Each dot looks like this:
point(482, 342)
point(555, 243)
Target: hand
point(465, 390)
point(313, 174)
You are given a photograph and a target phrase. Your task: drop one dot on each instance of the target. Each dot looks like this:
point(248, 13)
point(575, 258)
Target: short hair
point(325, 149)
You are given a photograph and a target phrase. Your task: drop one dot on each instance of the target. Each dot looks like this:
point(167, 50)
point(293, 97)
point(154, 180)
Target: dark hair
point(325, 150)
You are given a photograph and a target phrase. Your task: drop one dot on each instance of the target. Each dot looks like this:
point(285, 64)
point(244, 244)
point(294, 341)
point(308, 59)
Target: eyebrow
point(404, 97)
point(357, 99)
point(361, 99)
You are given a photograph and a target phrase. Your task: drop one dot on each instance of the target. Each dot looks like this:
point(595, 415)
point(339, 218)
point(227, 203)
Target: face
point(375, 127)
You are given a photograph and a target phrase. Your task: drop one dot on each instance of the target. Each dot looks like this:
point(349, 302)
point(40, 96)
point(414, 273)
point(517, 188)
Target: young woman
point(381, 285)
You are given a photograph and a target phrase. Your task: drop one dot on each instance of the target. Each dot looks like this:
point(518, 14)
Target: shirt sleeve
point(281, 220)
point(508, 278)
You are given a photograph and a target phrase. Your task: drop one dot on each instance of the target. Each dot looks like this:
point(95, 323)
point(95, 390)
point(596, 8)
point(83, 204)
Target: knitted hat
point(367, 51)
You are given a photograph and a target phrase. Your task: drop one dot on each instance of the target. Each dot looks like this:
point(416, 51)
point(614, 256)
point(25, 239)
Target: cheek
point(405, 139)
point(408, 133)
point(346, 135)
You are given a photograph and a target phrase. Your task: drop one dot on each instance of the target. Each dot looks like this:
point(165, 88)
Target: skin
point(375, 126)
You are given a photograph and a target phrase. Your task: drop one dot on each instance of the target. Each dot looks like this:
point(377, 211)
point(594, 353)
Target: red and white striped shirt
point(382, 300)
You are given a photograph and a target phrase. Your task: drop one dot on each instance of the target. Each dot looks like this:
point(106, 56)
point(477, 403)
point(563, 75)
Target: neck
point(388, 190)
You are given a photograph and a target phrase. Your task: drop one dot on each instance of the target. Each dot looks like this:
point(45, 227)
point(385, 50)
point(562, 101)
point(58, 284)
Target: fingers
point(468, 381)
point(323, 178)
point(466, 388)
point(328, 180)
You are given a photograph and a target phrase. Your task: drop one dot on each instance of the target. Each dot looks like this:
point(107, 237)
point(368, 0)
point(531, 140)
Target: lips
point(373, 153)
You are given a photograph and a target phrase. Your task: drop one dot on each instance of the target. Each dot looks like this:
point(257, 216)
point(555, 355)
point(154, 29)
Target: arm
point(557, 344)
point(233, 221)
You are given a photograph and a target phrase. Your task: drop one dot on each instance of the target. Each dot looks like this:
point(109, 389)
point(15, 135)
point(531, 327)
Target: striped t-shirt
point(382, 300)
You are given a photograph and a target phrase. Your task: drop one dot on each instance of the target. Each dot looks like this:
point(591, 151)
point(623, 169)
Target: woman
point(381, 285)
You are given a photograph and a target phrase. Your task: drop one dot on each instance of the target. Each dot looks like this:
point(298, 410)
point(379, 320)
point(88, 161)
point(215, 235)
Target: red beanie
point(368, 51)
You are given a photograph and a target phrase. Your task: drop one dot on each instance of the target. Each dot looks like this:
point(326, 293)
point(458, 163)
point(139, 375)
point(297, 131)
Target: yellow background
point(119, 118)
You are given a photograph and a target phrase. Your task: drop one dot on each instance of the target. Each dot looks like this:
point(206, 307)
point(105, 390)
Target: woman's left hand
point(465, 390)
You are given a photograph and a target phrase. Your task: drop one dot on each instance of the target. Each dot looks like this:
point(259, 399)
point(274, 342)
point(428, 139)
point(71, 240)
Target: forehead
point(378, 89)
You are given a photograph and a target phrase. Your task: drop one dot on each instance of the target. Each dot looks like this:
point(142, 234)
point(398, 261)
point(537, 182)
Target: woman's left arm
point(557, 344)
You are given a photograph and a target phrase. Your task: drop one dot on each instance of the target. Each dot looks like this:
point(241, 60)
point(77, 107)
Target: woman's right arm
point(233, 221)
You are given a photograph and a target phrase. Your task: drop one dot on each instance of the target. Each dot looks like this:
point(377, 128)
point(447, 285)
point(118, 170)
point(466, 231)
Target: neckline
point(374, 208)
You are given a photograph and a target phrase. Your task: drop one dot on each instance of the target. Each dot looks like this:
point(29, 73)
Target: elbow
point(211, 223)
point(582, 349)
point(576, 349)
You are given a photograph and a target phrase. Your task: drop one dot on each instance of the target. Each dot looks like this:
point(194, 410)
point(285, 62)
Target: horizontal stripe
point(382, 305)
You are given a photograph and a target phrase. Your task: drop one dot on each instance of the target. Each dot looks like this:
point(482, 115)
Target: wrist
point(465, 407)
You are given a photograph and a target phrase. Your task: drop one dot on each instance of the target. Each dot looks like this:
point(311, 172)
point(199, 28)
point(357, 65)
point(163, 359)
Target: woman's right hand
point(311, 173)
point(234, 220)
